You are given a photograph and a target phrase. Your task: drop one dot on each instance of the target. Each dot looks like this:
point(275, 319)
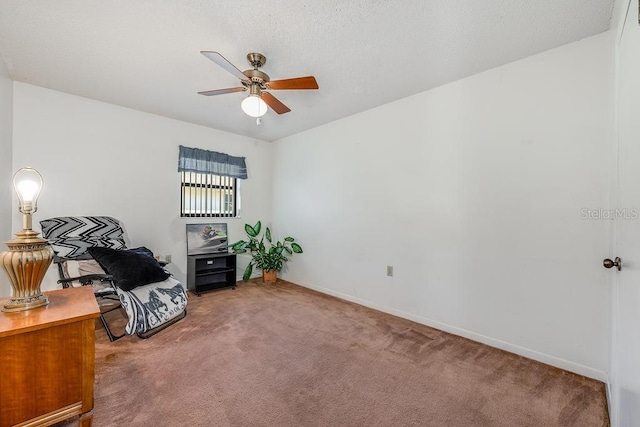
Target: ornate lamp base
point(21, 304)
point(26, 263)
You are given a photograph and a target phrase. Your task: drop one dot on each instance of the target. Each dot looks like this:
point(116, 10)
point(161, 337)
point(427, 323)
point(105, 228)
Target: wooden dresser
point(47, 358)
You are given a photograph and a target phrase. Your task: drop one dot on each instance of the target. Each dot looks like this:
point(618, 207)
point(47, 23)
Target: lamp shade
point(254, 106)
point(28, 183)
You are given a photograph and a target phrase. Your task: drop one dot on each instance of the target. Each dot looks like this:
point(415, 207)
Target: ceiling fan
point(257, 82)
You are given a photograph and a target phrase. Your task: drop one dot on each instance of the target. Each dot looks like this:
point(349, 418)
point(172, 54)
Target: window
point(210, 185)
point(208, 195)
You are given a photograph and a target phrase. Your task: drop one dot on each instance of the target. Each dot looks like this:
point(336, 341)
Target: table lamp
point(29, 256)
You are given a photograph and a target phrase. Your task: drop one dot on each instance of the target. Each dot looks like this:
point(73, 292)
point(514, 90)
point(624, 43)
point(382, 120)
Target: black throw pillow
point(129, 268)
point(142, 251)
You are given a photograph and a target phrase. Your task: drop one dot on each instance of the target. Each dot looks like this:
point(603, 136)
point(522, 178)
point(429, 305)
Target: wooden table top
point(65, 306)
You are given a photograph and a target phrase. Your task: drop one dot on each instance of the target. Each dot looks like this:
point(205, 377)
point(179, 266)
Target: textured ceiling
point(144, 54)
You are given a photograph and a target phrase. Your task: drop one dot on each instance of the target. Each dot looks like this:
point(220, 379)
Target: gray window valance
point(204, 161)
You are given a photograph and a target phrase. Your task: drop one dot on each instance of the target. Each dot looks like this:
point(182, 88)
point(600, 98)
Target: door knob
point(617, 262)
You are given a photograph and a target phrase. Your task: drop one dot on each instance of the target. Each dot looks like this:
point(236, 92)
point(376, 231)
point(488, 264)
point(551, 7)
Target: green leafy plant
point(265, 253)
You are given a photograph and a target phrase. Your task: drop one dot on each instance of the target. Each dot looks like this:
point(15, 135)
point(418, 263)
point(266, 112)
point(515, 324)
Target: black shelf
point(216, 271)
point(210, 272)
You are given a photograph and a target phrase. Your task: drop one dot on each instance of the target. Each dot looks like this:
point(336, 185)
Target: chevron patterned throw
point(71, 236)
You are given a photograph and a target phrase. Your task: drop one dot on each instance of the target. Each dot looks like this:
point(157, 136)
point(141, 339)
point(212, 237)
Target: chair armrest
point(86, 280)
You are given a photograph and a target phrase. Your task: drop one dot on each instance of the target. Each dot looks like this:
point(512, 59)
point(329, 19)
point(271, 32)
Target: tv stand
point(210, 272)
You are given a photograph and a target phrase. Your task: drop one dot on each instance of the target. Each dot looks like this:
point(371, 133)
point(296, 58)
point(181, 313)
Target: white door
point(625, 357)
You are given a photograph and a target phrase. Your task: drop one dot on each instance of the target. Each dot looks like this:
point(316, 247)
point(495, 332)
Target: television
point(207, 238)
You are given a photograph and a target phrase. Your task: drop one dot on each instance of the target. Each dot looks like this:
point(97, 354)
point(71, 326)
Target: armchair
point(91, 251)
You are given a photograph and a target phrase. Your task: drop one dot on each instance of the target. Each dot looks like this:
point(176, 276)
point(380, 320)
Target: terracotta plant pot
point(269, 277)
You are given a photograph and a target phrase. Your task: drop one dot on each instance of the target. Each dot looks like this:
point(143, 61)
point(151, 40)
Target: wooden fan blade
point(222, 91)
point(298, 83)
point(224, 63)
point(274, 103)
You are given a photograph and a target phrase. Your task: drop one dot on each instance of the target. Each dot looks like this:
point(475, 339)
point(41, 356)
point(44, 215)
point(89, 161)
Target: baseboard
point(255, 274)
point(503, 345)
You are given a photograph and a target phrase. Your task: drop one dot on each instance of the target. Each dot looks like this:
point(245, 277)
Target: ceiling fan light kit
point(258, 82)
point(253, 105)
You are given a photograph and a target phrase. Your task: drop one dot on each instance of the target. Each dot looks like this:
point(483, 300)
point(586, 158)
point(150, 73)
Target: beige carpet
point(283, 355)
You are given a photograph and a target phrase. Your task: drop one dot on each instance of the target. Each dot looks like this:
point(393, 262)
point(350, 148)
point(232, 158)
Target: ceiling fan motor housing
point(256, 76)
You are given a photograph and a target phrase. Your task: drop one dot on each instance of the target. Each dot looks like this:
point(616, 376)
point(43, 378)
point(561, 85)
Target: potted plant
point(266, 254)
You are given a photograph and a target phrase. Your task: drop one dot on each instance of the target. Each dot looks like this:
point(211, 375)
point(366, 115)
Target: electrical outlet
point(390, 270)
point(167, 258)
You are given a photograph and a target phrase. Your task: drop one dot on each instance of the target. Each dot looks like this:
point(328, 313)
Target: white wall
point(102, 159)
point(6, 134)
point(473, 192)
